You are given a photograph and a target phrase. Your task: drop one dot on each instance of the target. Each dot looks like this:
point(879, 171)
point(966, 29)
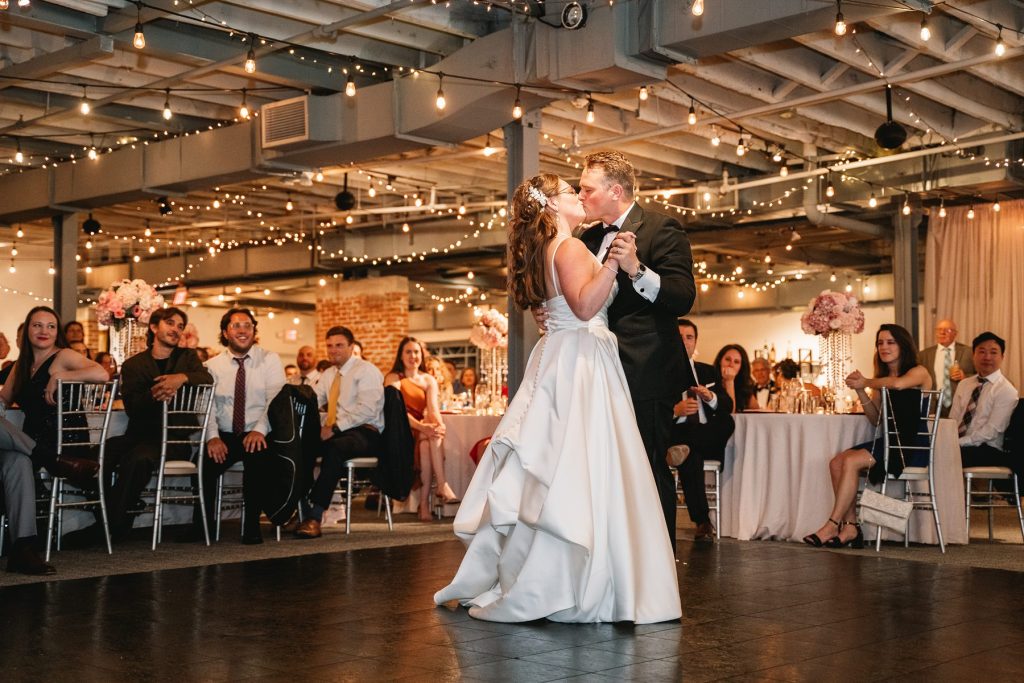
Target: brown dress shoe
point(309, 529)
point(705, 533)
point(25, 560)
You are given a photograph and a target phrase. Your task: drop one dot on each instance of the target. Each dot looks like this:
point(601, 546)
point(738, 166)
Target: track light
point(243, 111)
point(691, 117)
point(440, 102)
point(697, 8)
point(139, 41)
point(250, 57)
point(517, 108)
point(167, 105)
point(590, 110)
point(1000, 45)
point(644, 93)
point(350, 85)
point(840, 27)
point(926, 33)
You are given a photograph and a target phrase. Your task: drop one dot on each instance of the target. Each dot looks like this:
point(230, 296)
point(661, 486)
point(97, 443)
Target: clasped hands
point(856, 380)
point(166, 386)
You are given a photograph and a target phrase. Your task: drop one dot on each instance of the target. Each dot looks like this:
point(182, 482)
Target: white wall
point(31, 276)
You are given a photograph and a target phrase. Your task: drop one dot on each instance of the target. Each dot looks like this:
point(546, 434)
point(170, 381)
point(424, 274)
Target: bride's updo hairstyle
point(530, 228)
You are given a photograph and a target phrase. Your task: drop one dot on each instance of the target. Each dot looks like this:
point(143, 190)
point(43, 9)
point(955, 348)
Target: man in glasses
point(248, 379)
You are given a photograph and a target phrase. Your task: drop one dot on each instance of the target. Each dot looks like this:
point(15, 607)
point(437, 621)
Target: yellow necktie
point(332, 401)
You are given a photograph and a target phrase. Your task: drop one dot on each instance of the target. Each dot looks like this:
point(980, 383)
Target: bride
point(562, 519)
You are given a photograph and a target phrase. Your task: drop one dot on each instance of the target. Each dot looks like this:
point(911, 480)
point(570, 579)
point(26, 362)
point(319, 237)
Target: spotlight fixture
point(1000, 45)
point(440, 101)
point(91, 226)
point(691, 117)
point(243, 111)
point(890, 135)
point(344, 200)
point(777, 154)
point(840, 27)
point(697, 8)
point(574, 16)
point(517, 108)
point(139, 41)
point(167, 105)
point(926, 33)
point(250, 57)
point(350, 85)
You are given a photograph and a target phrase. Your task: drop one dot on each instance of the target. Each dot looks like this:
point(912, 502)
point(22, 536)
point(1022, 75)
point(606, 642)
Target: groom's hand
point(623, 250)
point(540, 316)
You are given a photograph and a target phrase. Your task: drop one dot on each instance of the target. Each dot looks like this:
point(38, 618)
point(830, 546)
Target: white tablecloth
point(776, 483)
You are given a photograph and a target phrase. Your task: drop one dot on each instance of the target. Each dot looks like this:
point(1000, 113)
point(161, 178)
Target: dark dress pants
point(705, 441)
point(984, 455)
point(130, 462)
point(339, 449)
point(654, 419)
point(250, 481)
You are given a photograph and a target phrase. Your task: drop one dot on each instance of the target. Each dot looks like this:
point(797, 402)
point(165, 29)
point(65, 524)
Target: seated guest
point(107, 362)
point(704, 424)
point(733, 367)
point(291, 372)
point(351, 390)
point(80, 347)
point(322, 365)
point(983, 406)
point(438, 370)
point(764, 385)
point(33, 382)
point(948, 361)
point(9, 366)
point(74, 332)
point(19, 496)
point(419, 391)
point(305, 359)
point(895, 368)
point(357, 349)
point(787, 371)
point(248, 378)
point(148, 380)
point(467, 382)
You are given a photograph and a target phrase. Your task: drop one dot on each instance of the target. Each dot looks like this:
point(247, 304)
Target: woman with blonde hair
point(563, 519)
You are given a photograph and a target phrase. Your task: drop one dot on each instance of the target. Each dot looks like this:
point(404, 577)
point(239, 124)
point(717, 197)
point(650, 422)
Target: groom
point(655, 289)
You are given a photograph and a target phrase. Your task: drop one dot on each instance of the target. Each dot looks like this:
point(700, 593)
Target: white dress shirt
point(311, 379)
point(996, 404)
point(361, 395)
point(264, 377)
point(713, 403)
point(647, 286)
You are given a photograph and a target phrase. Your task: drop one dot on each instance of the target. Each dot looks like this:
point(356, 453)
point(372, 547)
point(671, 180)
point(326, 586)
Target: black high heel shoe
point(812, 539)
point(857, 542)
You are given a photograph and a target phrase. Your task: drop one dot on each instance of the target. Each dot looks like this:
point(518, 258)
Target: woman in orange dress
point(419, 390)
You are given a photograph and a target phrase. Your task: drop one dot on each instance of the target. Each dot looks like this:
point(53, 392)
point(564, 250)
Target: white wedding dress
point(562, 519)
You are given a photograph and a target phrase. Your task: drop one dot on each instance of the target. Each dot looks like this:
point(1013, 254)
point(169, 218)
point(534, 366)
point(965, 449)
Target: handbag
point(884, 511)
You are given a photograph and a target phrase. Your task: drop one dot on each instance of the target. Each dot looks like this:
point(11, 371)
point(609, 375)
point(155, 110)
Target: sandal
point(857, 542)
point(813, 540)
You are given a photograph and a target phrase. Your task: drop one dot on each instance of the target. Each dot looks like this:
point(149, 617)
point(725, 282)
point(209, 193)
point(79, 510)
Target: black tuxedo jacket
point(650, 347)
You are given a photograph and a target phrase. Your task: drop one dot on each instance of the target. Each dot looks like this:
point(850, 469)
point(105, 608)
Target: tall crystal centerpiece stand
point(126, 339)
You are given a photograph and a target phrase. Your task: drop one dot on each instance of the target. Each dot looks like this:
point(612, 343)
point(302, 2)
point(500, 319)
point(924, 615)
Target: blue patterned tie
point(947, 385)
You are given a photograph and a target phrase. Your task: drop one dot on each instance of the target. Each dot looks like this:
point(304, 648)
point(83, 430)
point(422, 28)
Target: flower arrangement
point(127, 300)
point(490, 330)
point(832, 312)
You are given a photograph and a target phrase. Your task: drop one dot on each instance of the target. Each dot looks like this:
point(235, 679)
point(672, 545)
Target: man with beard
point(149, 379)
point(308, 375)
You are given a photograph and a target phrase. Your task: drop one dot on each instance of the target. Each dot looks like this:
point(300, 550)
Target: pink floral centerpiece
point(490, 330)
point(833, 312)
point(127, 300)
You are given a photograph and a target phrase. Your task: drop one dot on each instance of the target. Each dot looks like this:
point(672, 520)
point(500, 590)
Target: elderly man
point(947, 362)
point(983, 406)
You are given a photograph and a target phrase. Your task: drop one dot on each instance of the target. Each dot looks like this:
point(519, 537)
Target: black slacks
point(130, 462)
point(654, 419)
point(706, 441)
point(986, 456)
point(339, 449)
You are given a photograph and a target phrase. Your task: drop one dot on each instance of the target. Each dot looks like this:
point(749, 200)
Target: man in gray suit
point(947, 362)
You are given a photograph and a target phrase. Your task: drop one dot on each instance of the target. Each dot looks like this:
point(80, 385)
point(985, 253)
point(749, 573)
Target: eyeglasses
point(240, 326)
point(569, 190)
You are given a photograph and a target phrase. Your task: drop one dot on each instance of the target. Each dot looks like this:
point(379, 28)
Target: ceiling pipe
point(816, 216)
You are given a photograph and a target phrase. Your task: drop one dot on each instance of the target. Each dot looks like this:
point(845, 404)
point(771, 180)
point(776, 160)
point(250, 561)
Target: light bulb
point(93, 154)
point(697, 8)
point(517, 110)
point(970, 214)
point(840, 28)
point(942, 211)
point(51, 270)
point(319, 176)
point(243, 111)
point(741, 149)
point(644, 94)
point(372, 191)
point(405, 227)
point(926, 33)
point(19, 156)
point(5, 4)
point(288, 205)
point(777, 156)
point(906, 209)
point(139, 41)
point(1000, 45)
point(440, 102)
point(996, 207)
point(295, 320)
point(873, 202)
point(23, 3)
point(167, 106)
point(784, 171)
point(350, 86)
point(84, 107)
point(832, 277)
point(830, 190)
point(691, 118)
point(715, 139)
point(20, 233)
point(250, 62)
point(590, 111)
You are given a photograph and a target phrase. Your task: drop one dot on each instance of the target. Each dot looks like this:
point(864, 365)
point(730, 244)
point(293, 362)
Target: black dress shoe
point(25, 560)
point(705, 533)
point(254, 537)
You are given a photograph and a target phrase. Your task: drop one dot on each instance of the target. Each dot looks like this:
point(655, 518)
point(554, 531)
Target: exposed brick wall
point(375, 309)
point(93, 338)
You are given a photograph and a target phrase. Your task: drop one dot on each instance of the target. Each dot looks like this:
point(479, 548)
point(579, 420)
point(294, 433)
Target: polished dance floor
point(752, 611)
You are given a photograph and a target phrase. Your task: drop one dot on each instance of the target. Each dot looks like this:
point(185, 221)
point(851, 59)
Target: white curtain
point(974, 275)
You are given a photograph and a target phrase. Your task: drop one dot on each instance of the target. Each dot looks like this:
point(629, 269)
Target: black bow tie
point(608, 228)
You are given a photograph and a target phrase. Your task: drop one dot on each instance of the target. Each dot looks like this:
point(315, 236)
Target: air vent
point(285, 122)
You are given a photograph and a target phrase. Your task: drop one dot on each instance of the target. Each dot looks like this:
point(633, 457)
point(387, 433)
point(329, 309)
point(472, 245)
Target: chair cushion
point(362, 462)
point(914, 473)
point(179, 468)
point(990, 472)
point(237, 467)
point(712, 465)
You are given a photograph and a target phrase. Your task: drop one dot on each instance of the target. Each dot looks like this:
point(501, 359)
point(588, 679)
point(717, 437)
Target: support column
point(65, 283)
point(905, 267)
point(522, 142)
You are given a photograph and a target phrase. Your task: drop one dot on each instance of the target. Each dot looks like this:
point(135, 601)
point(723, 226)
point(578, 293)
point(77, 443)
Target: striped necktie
point(972, 405)
point(238, 415)
point(947, 384)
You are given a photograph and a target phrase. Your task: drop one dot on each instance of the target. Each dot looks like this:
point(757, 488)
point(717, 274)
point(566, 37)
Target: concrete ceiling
point(770, 74)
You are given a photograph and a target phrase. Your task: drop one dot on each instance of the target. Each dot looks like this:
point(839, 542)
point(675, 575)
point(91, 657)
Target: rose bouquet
point(127, 300)
point(490, 330)
point(832, 312)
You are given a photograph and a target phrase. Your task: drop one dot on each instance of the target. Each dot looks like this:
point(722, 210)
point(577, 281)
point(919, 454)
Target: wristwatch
point(640, 272)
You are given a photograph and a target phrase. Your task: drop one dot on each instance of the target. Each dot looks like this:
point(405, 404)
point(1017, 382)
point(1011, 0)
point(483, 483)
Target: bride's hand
point(613, 264)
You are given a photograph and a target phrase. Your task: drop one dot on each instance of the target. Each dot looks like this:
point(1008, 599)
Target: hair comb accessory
point(538, 195)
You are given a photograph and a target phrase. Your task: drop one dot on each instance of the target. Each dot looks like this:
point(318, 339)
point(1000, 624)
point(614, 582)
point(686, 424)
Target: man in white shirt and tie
point(351, 391)
point(983, 406)
point(248, 378)
point(305, 360)
point(947, 362)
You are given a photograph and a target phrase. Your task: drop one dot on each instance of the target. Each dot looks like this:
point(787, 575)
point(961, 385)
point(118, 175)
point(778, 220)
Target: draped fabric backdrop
point(974, 274)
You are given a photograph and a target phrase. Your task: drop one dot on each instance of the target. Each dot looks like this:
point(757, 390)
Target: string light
point(488, 149)
point(840, 27)
point(440, 102)
point(716, 140)
point(84, 106)
point(906, 207)
point(830, 189)
point(350, 85)
point(167, 105)
point(590, 109)
point(644, 94)
point(996, 207)
point(970, 213)
point(517, 108)
point(19, 156)
point(697, 8)
point(691, 117)
point(288, 205)
point(243, 111)
point(250, 57)
point(873, 201)
point(741, 148)
point(1000, 45)
point(926, 33)
point(139, 41)
point(93, 154)
point(784, 170)
point(942, 208)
